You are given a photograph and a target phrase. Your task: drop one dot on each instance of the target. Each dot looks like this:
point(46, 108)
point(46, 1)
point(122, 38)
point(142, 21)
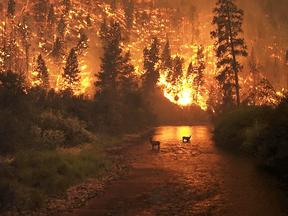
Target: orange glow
point(157, 24)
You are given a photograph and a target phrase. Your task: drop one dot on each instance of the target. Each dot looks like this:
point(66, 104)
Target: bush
point(63, 131)
point(272, 148)
point(14, 133)
point(231, 130)
point(7, 197)
point(251, 134)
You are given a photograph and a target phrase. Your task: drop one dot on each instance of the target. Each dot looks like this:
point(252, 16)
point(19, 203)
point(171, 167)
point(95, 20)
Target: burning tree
point(264, 94)
point(228, 19)
point(71, 72)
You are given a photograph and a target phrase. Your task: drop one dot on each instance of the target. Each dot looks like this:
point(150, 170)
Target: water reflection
point(207, 181)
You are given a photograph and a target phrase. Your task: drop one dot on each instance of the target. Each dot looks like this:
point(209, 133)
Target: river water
point(208, 181)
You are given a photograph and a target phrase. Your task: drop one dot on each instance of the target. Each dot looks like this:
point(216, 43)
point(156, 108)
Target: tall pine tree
point(199, 68)
point(110, 68)
point(151, 69)
point(228, 19)
point(71, 77)
point(166, 60)
point(176, 76)
point(42, 73)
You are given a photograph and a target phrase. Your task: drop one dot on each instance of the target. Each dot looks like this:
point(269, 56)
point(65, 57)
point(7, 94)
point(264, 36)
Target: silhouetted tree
point(11, 8)
point(40, 10)
point(58, 49)
point(67, 5)
point(82, 44)
point(228, 19)
point(166, 57)
point(189, 73)
point(42, 73)
point(198, 71)
point(127, 77)
point(129, 9)
point(254, 69)
point(151, 69)
point(115, 81)
point(61, 27)
point(176, 76)
point(25, 39)
point(115, 68)
point(103, 31)
point(12, 88)
point(51, 15)
point(71, 76)
point(213, 102)
point(88, 20)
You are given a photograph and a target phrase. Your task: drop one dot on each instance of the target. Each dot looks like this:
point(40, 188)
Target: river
point(214, 181)
point(190, 178)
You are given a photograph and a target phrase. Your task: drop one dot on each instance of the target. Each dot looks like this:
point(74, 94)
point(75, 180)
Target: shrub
point(14, 133)
point(251, 134)
point(63, 130)
point(272, 147)
point(7, 197)
point(230, 130)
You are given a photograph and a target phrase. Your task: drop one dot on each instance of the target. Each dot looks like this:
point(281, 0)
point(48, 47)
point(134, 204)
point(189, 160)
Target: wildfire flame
point(157, 22)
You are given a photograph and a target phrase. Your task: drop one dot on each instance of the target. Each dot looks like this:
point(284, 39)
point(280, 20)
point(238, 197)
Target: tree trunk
point(234, 61)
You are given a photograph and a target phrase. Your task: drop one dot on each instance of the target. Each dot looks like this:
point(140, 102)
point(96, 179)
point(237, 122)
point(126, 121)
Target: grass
point(33, 174)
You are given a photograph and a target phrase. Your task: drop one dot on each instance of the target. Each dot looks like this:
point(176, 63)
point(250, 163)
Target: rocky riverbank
point(78, 195)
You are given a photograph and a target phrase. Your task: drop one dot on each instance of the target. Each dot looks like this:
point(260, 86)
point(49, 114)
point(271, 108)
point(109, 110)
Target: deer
point(154, 143)
point(186, 138)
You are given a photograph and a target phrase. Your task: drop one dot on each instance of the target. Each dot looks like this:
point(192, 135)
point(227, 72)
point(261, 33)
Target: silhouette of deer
point(186, 138)
point(155, 143)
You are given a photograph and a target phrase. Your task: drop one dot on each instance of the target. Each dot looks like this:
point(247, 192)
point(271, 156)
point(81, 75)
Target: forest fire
point(75, 25)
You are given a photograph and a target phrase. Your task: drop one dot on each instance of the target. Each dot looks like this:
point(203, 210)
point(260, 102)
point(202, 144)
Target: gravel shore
point(90, 188)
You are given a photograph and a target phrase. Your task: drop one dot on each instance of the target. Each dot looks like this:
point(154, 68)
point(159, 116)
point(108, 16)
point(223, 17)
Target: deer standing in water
point(155, 143)
point(186, 138)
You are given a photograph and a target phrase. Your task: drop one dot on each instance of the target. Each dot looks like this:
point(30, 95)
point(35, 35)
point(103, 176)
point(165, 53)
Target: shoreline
point(90, 188)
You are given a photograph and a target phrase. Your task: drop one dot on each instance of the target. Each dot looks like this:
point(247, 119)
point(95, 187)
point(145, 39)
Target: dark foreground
point(188, 179)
